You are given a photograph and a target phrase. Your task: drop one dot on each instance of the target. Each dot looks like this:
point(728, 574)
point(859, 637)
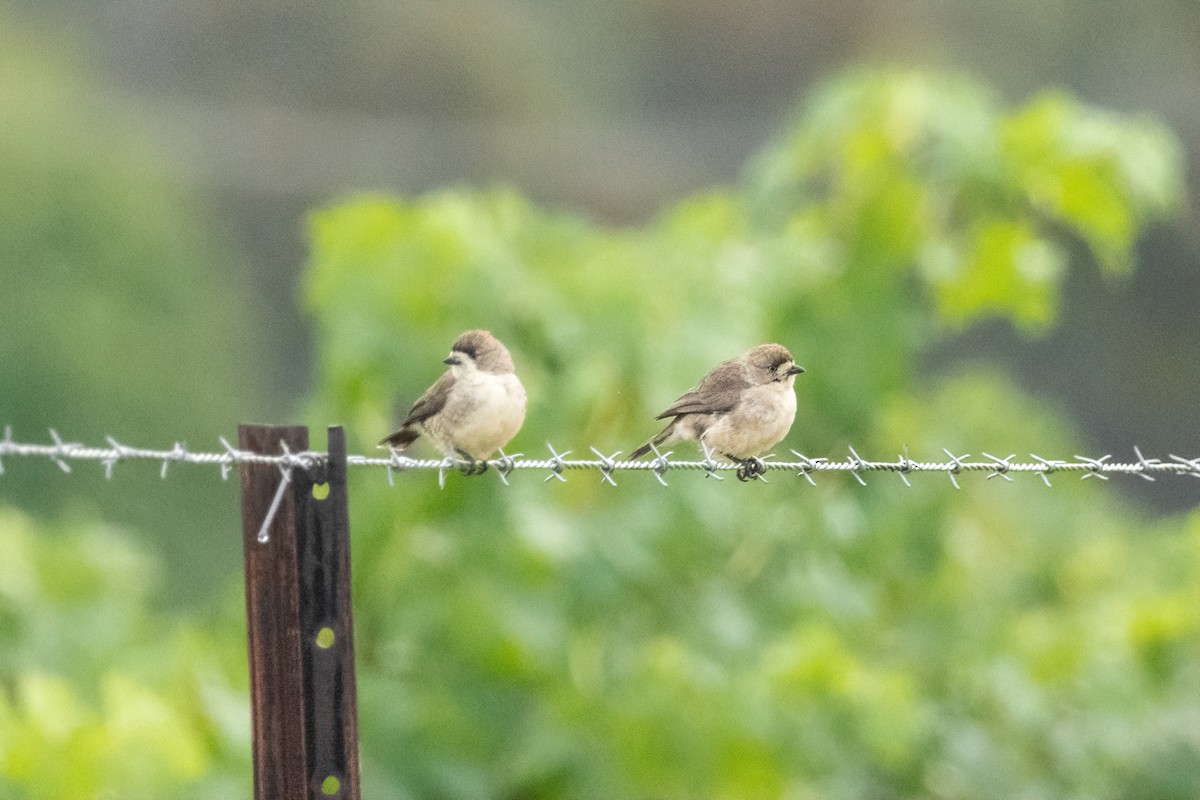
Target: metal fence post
point(299, 621)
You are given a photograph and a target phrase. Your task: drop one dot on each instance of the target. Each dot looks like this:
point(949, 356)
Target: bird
point(742, 408)
point(475, 408)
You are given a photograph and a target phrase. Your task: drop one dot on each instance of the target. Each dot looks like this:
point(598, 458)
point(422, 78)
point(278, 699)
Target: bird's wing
point(433, 401)
point(720, 391)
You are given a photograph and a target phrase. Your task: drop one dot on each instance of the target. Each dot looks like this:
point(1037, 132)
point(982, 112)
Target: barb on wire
point(905, 468)
point(59, 448)
point(1001, 466)
point(1191, 465)
point(807, 465)
point(443, 465)
point(556, 464)
point(710, 464)
point(606, 466)
point(65, 453)
point(660, 464)
point(226, 465)
point(856, 464)
point(957, 468)
point(505, 464)
point(177, 453)
point(1145, 464)
point(1047, 467)
point(1094, 466)
point(119, 453)
point(5, 444)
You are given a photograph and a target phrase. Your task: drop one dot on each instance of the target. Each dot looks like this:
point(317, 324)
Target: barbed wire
point(64, 453)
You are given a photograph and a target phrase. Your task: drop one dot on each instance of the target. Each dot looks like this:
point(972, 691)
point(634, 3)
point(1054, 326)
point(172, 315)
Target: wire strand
point(64, 454)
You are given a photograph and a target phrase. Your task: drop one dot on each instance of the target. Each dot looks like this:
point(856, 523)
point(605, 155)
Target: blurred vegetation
point(712, 639)
point(125, 315)
point(738, 641)
point(101, 693)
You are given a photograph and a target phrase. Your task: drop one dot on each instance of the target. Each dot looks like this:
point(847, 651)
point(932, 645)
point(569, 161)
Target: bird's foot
point(469, 465)
point(749, 469)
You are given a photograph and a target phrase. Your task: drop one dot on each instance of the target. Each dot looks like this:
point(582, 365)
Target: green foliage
point(904, 170)
point(547, 640)
point(100, 694)
point(122, 317)
point(720, 640)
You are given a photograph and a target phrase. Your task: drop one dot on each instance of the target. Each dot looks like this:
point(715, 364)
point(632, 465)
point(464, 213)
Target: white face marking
point(465, 366)
point(782, 374)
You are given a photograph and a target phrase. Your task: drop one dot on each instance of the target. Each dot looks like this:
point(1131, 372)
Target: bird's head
point(479, 350)
point(772, 362)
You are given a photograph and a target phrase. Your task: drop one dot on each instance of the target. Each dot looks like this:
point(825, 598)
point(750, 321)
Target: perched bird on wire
point(475, 408)
point(742, 408)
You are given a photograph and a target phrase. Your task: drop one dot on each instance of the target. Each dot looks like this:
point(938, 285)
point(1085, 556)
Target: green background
point(933, 248)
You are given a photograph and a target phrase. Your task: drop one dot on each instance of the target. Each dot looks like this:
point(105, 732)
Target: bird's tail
point(658, 439)
point(400, 439)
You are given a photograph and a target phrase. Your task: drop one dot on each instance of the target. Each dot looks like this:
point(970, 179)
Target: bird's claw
point(750, 469)
point(470, 466)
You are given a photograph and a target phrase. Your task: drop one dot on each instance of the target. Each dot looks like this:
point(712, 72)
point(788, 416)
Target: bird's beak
point(453, 361)
point(795, 370)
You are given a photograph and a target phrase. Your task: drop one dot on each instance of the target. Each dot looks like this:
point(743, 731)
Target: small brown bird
point(741, 409)
point(475, 407)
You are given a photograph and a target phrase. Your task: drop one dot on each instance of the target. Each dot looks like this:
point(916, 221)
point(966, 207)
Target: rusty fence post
point(299, 621)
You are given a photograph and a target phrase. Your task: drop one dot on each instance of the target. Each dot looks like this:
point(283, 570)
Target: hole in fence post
point(320, 491)
point(325, 638)
point(331, 785)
